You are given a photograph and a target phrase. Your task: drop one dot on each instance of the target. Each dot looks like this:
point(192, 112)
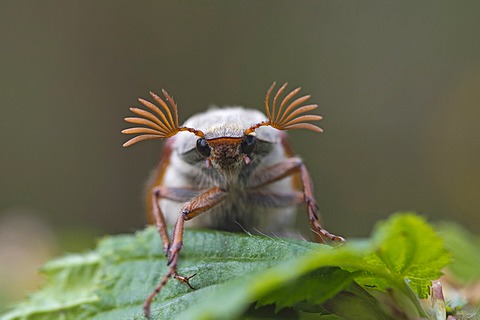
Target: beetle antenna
point(156, 124)
point(288, 116)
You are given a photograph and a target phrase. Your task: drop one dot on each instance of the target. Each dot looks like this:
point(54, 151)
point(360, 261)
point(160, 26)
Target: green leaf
point(409, 248)
point(302, 279)
point(72, 279)
point(313, 288)
point(466, 250)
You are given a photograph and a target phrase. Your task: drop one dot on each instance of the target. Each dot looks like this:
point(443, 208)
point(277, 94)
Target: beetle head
point(227, 154)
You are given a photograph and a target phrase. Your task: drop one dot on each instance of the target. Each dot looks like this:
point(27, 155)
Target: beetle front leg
point(287, 168)
point(312, 208)
point(175, 194)
point(191, 209)
point(160, 218)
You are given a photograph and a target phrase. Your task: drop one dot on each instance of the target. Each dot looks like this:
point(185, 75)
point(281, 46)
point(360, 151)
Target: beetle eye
point(203, 147)
point(248, 144)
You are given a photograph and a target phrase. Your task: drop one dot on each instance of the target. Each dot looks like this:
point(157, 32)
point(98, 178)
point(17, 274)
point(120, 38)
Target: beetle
point(228, 168)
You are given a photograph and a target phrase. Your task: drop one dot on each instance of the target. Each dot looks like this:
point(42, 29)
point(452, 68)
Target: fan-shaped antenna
point(156, 124)
point(288, 116)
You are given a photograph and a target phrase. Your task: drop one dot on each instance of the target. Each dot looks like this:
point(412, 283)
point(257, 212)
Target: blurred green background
point(398, 84)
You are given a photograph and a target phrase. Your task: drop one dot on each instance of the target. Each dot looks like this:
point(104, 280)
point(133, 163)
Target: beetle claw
point(185, 280)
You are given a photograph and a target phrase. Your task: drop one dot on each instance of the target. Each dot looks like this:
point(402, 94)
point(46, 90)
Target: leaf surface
point(239, 275)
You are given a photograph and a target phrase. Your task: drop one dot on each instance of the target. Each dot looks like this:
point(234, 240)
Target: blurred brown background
point(397, 82)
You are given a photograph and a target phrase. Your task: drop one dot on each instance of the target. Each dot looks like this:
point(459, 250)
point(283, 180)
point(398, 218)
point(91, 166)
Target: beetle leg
point(160, 218)
point(312, 208)
point(275, 172)
point(175, 194)
point(148, 302)
point(191, 209)
point(203, 202)
point(284, 169)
